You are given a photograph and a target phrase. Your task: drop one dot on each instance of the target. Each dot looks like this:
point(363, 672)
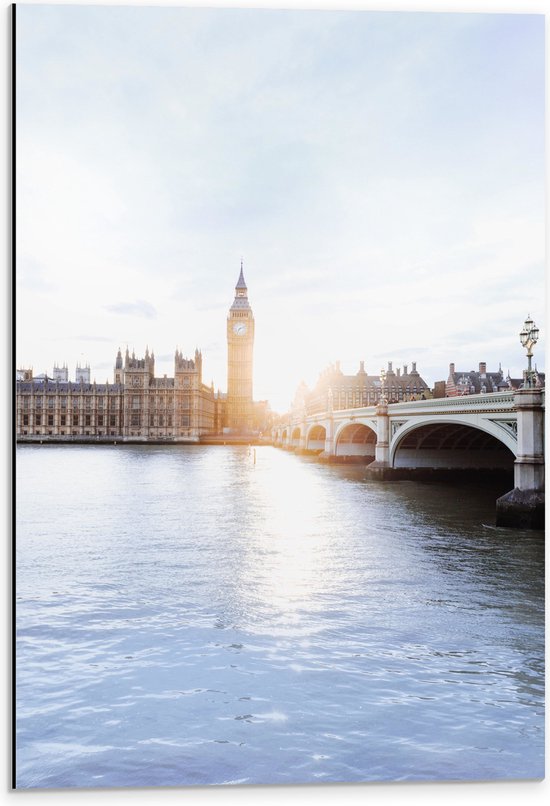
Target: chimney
point(405, 369)
point(361, 366)
point(482, 368)
point(337, 366)
point(414, 367)
point(390, 366)
point(451, 369)
point(398, 372)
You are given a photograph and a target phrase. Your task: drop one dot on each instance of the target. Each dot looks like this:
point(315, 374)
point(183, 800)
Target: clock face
point(239, 329)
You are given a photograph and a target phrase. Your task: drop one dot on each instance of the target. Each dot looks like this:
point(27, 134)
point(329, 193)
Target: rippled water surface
point(186, 615)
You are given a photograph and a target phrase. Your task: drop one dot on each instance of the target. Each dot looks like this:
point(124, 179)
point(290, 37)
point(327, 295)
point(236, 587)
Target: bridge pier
point(381, 468)
point(524, 505)
point(303, 432)
point(328, 454)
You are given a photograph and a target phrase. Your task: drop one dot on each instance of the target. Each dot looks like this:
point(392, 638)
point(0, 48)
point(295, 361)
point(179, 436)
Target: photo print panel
point(279, 396)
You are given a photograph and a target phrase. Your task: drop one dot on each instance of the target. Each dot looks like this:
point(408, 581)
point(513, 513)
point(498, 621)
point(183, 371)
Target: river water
point(215, 615)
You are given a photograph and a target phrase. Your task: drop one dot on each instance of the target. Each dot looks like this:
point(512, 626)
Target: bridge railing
point(480, 401)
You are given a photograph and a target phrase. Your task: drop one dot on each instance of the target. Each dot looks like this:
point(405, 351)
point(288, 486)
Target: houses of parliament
point(140, 407)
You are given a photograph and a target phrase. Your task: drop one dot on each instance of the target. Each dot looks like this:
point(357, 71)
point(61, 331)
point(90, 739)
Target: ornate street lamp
point(383, 386)
point(529, 337)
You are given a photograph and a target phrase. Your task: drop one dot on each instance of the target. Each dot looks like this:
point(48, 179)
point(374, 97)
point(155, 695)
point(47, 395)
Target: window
point(63, 419)
point(134, 420)
point(100, 419)
point(25, 419)
point(38, 419)
point(50, 419)
point(112, 420)
point(75, 421)
point(88, 420)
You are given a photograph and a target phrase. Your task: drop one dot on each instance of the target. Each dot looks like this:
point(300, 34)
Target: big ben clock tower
point(240, 345)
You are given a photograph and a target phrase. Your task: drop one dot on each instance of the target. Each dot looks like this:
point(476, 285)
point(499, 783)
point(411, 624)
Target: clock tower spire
point(240, 345)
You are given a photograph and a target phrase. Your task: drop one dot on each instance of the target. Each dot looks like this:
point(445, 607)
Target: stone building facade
point(473, 382)
point(361, 389)
point(137, 406)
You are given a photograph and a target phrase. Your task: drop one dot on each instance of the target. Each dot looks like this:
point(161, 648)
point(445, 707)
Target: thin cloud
point(139, 308)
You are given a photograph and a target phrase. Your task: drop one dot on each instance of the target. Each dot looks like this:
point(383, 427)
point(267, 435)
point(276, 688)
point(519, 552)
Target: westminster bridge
point(490, 432)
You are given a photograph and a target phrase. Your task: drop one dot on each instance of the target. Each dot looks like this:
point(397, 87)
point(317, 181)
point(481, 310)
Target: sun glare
point(290, 550)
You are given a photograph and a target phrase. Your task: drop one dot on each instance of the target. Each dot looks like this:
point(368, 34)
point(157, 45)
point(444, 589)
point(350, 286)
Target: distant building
point(137, 406)
point(62, 373)
point(82, 374)
point(361, 389)
point(519, 383)
point(480, 381)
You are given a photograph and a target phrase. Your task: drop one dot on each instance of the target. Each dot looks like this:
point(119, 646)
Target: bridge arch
point(355, 439)
point(315, 438)
point(295, 437)
point(449, 442)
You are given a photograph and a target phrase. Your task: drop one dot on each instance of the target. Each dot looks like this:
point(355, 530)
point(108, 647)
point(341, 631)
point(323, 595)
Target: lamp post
point(383, 386)
point(529, 337)
point(524, 505)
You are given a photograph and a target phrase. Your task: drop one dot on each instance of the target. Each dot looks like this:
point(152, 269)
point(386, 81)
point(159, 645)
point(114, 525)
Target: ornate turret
point(137, 372)
point(119, 375)
point(241, 302)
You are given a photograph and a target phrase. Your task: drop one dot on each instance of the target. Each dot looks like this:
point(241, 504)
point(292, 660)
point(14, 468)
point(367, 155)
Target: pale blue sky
point(381, 174)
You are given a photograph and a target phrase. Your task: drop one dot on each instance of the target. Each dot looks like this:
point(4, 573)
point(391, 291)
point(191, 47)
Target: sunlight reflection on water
point(187, 616)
